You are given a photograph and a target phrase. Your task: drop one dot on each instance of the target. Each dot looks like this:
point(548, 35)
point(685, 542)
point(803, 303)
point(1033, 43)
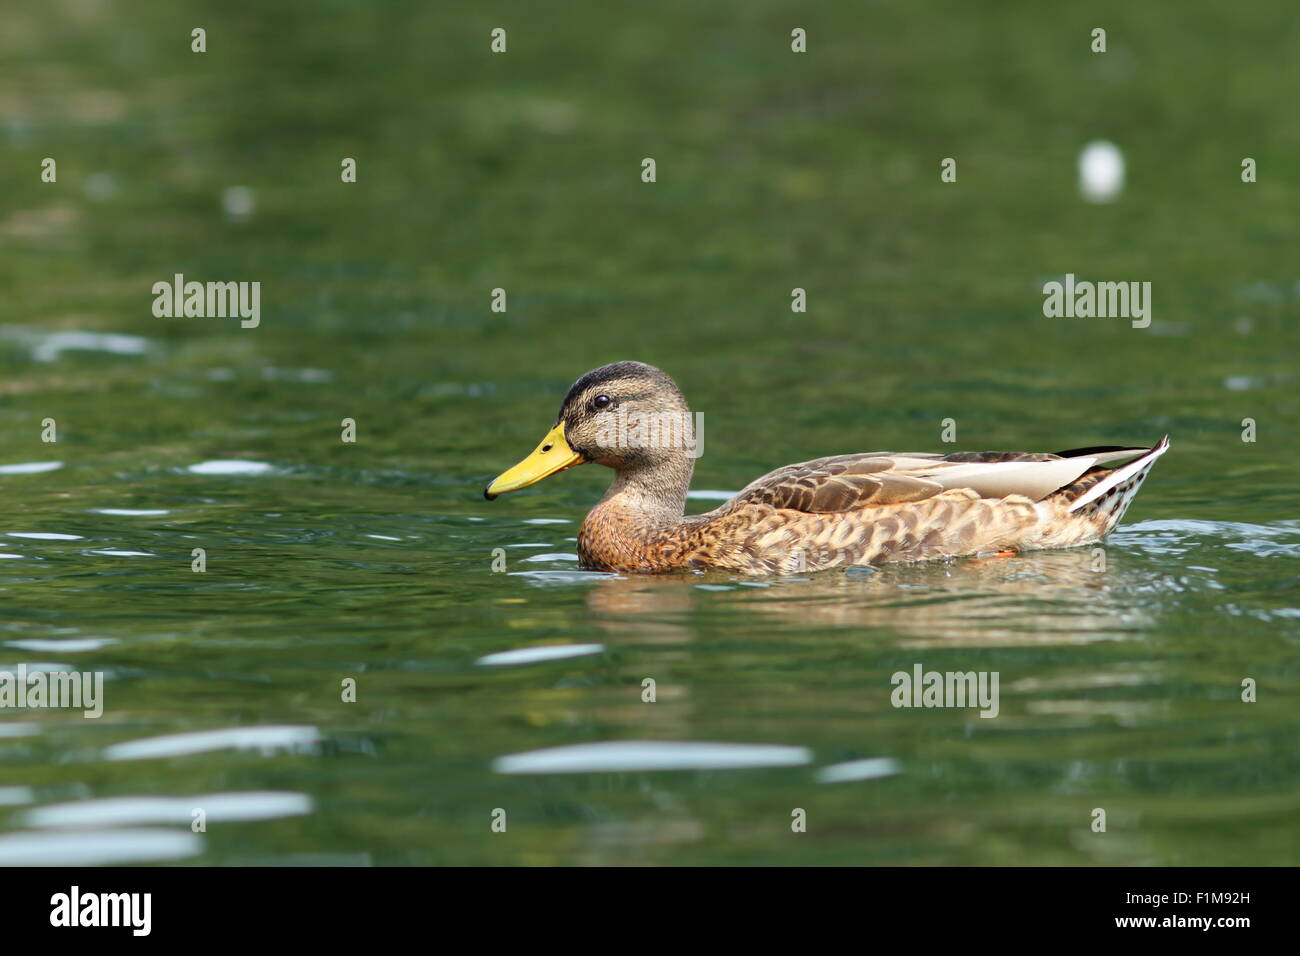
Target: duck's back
point(873, 507)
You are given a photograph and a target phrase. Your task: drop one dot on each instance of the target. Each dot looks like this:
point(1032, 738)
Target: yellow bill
point(551, 456)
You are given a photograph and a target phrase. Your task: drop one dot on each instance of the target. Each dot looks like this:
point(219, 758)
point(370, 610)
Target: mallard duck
point(831, 512)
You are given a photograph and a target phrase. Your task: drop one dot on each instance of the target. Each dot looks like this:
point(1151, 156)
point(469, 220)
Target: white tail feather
point(1121, 475)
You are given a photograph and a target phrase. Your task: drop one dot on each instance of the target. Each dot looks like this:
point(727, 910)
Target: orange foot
point(990, 555)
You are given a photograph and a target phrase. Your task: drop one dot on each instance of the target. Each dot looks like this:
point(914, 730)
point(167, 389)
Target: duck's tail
point(1104, 494)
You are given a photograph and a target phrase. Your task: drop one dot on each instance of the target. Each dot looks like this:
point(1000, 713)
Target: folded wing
point(849, 482)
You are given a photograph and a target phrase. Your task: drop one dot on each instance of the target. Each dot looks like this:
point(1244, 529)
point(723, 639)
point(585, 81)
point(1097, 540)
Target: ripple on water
point(532, 655)
point(47, 667)
point(119, 811)
point(617, 756)
point(268, 740)
point(1178, 536)
point(551, 578)
point(69, 646)
point(30, 467)
point(48, 346)
point(869, 769)
point(18, 730)
point(230, 467)
point(97, 847)
point(314, 375)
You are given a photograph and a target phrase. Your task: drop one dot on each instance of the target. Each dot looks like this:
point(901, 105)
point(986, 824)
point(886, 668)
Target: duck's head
point(628, 416)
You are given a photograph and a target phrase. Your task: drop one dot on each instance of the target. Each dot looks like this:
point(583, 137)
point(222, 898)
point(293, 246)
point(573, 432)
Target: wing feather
point(848, 482)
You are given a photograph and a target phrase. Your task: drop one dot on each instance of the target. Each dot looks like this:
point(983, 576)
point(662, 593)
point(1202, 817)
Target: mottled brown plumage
point(827, 513)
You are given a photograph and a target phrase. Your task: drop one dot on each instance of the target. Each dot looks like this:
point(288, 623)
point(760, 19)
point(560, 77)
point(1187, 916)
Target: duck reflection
point(1039, 598)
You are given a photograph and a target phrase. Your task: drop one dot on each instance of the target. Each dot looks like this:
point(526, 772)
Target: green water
point(373, 561)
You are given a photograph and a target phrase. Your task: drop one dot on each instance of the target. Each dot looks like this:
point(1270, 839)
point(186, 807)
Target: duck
point(841, 511)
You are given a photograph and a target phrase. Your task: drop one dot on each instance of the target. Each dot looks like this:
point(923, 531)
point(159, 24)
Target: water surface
point(521, 690)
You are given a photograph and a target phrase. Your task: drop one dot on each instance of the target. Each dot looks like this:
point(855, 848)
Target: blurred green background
point(521, 170)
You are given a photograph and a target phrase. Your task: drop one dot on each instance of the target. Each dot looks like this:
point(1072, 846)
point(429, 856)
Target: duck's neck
point(624, 530)
point(656, 492)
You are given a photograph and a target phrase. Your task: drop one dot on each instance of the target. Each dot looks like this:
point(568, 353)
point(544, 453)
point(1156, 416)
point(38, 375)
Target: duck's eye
point(600, 401)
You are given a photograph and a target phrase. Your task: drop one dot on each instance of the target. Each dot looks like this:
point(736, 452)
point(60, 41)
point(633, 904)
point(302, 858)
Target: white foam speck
point(1101, 171)
point(238, 203)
